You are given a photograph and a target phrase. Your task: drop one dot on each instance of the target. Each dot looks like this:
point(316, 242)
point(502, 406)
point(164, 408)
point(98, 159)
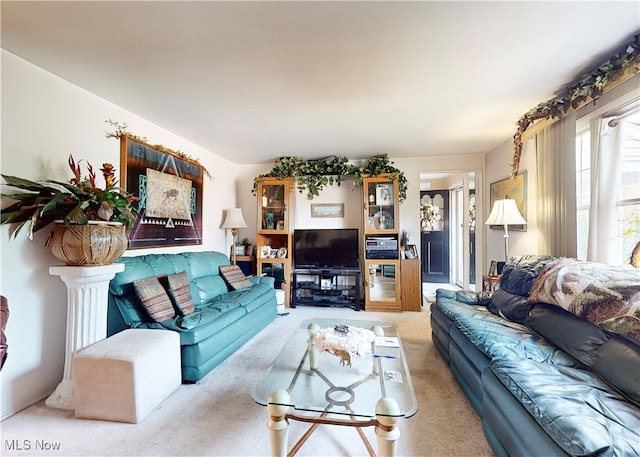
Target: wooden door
point(435, 238)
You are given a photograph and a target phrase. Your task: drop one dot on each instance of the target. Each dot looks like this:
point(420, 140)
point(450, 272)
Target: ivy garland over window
point(579, 92)
point(313, 175)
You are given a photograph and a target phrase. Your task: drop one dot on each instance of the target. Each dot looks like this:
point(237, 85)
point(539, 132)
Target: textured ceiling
point(253, 81)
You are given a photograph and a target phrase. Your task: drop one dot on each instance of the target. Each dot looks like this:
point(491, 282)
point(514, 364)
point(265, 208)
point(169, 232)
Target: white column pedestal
point(87, 301)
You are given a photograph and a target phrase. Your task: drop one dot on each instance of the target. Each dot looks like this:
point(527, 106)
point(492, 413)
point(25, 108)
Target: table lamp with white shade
point(505, 212)
point(234, 221)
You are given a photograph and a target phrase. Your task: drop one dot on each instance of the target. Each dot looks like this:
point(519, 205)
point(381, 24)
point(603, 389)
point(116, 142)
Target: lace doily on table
point(357, 341)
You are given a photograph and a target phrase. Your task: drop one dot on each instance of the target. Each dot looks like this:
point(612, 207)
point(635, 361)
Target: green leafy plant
point(314, 175)
point(75, 202)
point(584, 89)
point(121, 130)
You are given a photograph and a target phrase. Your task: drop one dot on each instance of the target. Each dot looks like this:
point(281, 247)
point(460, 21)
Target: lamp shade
point(505, 212)
point(234, 219)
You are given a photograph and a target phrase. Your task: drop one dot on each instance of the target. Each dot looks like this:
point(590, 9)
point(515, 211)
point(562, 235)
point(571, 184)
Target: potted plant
point(84, 213)
point(247, 246)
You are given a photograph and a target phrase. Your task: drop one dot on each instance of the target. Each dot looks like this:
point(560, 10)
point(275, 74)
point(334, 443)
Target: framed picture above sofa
point(169, 188)
point(515, 188)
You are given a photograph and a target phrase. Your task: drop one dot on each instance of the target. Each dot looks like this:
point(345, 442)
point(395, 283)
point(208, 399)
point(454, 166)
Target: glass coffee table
point(352, 370)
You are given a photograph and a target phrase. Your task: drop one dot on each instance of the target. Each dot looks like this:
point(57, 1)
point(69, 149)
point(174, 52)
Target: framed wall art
point(169, 188)
point(327, 210)
point(515, 188)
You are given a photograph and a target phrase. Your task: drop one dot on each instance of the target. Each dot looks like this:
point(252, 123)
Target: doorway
point(435, 218)
point(448, 248)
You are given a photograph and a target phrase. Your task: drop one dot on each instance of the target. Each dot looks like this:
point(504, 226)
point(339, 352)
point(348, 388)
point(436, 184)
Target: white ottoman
point(122, 378)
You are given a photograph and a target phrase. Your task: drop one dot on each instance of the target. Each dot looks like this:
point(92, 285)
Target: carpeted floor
point(216, 417)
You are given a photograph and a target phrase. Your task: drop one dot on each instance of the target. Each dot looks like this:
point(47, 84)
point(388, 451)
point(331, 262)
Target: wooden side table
point(490, 283)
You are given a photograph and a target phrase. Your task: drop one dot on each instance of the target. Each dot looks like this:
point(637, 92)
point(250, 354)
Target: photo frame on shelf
point(170, 192)
point(493, 268)
point(384, 194)
point(411, 252)
point(515, 188)
point(265, 252)
point(327, 210)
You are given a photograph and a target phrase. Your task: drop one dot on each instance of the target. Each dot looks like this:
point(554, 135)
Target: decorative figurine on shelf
point(345, 357)
point(270, 222)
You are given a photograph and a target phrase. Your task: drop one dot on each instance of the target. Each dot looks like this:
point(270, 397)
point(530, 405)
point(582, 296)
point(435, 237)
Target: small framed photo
point(384, 194)
point(411, 252)
point(265, 252)
point(280, 225)
point(493, 268)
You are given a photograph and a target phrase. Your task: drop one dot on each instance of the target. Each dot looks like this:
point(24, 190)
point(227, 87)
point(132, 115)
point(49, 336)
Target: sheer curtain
point(606, 154)
point(556, 188)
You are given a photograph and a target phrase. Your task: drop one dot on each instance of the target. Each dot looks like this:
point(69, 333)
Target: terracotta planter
point(95, 243)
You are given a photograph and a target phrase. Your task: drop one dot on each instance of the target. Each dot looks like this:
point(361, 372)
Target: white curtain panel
point(606, 153)
point(556, 188)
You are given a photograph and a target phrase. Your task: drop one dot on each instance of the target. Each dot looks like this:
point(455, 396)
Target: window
point(626, 188)
point(629, 190)
point(583, 189)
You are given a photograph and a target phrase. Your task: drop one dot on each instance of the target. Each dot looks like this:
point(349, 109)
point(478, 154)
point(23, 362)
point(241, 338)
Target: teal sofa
point(223, 319)
point(551, 360)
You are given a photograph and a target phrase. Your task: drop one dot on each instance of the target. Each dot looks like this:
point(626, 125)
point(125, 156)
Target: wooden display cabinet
point(274, 232)
point(381, 248)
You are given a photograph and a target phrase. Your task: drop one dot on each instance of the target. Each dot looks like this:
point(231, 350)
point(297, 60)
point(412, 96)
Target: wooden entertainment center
point(381, 279)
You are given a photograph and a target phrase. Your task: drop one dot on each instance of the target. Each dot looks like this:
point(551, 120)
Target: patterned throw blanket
point(608, 296)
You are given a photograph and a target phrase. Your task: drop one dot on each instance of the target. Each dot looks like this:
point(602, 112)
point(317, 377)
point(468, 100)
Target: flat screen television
point(326, 248)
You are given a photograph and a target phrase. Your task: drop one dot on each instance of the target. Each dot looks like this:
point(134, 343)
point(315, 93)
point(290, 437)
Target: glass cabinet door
point(382, 283)
point(381, 209)
point(276, 270)
point(273, 212)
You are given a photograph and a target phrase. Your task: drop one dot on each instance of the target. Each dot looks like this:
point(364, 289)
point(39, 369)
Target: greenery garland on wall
point(121, 130)
point(581, 91)
point(313, 175)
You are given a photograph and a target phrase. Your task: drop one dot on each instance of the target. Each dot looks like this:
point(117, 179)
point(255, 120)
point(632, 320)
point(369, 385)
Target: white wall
point(44, 119)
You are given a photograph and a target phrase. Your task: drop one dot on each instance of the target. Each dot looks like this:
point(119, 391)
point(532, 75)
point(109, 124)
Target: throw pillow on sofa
point(180, 291)
point(234, 276)
point(510, 306)
point(154, 299)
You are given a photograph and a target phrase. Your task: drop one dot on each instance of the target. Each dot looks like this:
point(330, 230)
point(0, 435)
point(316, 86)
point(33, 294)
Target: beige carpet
point(217, 417)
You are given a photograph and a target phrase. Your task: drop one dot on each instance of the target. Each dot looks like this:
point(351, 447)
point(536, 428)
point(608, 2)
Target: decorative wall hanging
point(327, 210)
point(170, 190)
point(588, 87)
point(515, 188)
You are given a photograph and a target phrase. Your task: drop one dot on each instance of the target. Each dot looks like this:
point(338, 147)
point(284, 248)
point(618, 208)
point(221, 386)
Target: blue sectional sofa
point(223, 319)
point(540, 361)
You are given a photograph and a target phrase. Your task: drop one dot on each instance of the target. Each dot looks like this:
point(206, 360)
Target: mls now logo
point(27, 445)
